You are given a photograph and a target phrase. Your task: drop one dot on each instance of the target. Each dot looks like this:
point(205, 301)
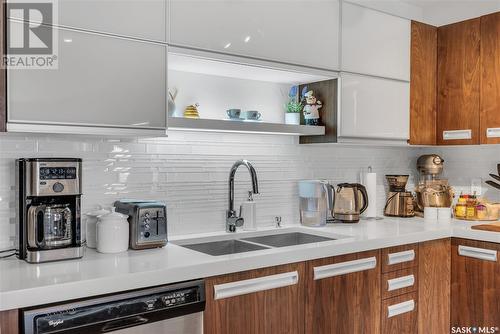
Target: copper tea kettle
point(351, 200)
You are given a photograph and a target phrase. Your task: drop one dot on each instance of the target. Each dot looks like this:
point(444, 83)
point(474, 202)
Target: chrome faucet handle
point(233, 222)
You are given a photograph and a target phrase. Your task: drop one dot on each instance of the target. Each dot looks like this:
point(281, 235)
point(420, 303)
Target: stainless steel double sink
point(248, 242)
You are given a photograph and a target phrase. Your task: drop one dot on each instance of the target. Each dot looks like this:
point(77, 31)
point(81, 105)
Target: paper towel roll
point(369, 180)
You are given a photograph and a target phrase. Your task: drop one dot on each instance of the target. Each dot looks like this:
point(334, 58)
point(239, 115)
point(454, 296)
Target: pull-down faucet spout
point(232, 220)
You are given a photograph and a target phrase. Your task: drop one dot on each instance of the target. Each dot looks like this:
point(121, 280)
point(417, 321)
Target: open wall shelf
point(214, 125)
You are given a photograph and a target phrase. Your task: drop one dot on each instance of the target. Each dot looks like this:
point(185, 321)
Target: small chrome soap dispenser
point(248, 211)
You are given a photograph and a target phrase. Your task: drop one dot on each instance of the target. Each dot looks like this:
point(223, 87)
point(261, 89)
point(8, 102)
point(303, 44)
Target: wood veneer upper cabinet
point(490, 77)
point(434, 270)
point(458, 81)
point(475, 283)
point(344, 303)
point(272, 311)
point(3, 70)
point(9, 322)
point(423, 84)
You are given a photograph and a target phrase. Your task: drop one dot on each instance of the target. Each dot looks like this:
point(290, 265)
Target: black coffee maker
point(48, 192)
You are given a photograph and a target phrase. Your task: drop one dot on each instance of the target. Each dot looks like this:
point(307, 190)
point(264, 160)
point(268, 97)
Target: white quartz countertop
point(23, 284)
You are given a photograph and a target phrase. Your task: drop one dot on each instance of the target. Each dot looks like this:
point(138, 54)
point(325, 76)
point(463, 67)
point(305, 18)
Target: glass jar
point(461, 207)
point(471, 207)
point(481, 212)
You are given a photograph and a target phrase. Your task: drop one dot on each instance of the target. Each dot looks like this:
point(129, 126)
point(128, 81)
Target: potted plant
point(293, 107)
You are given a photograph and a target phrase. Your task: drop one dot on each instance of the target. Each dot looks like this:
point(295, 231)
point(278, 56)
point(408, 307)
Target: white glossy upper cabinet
point(374, 108)
point(101, 81)
point(144, 19)
point(375, 43)
point(302, 32)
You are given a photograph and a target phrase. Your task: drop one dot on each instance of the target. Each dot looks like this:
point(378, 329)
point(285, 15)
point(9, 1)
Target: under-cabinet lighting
point(234, 131)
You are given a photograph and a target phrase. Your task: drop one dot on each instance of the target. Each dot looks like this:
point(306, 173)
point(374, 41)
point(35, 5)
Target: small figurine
point(311, 108)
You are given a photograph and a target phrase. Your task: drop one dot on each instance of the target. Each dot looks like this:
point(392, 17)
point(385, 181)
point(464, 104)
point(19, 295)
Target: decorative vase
point(171, 104)
point(292, 118)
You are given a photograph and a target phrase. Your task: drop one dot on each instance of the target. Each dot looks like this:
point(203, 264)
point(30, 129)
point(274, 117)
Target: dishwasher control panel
point(120, 311)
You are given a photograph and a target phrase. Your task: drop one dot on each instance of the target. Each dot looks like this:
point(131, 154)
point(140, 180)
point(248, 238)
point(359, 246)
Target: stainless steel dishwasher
point(170, 309)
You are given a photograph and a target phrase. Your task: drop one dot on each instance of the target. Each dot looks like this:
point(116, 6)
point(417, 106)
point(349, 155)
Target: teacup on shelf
point(233, 113)
point(253, 115)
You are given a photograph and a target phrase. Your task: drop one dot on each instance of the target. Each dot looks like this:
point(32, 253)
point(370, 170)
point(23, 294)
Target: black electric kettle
point(351, 200)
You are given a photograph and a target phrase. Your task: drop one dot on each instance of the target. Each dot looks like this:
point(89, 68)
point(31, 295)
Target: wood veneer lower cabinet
point(343, 294)
point(9, 322)
point(232, 307)
point(475, 283)
point(399, 257)
point(434, 270)
point(400, 314)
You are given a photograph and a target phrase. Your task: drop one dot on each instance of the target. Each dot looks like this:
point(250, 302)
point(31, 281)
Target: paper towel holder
point(370, 183)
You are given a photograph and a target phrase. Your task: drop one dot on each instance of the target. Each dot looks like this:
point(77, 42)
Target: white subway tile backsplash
point(189, 170)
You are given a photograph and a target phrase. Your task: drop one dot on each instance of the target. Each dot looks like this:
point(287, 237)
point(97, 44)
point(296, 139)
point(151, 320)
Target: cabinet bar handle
point(492, 132)
point(400, 282)
point(244, 287)
point(397, 309)
point(457, 134)
point(478, 253)
point(342, 268)
point(400, 257)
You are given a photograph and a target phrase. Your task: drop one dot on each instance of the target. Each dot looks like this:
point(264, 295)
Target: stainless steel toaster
point(148, 222)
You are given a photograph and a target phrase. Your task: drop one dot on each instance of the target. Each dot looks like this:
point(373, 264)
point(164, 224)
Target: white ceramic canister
point(91, 225)
point(112, 233)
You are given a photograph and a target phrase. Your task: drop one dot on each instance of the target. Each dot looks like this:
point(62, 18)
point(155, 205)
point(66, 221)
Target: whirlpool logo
point(474, 330)
point(55, 323)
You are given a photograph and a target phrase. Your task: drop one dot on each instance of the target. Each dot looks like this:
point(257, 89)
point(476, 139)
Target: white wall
point(189, 170)
point(216, 94)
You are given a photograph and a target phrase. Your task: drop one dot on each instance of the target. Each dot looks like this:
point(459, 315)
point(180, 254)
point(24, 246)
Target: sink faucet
point(232, 220)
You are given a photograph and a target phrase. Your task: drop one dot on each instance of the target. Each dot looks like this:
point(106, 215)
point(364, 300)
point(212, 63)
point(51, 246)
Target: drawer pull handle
point(492, 132)
point(400, 257)
point(252, 285)
point(397, 309)
point(478, 253)
point(400, 282)
point(457, 134)
point(343, 268)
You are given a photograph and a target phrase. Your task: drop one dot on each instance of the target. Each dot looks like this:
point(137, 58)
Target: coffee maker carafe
point(351, 200)
point(55, 228)
point(48, 194)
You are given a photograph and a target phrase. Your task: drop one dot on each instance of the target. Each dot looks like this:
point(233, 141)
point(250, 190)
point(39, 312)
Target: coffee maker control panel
point(54, 177)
